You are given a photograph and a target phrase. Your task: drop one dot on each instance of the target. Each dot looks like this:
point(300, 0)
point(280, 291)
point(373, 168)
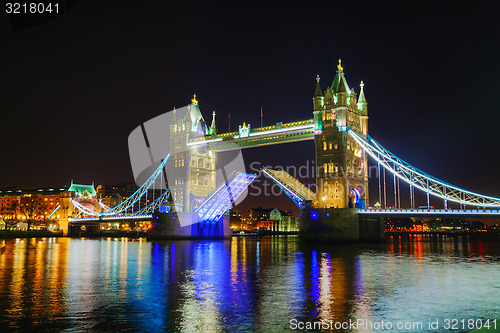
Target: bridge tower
point(192, 176)
point(342, 168)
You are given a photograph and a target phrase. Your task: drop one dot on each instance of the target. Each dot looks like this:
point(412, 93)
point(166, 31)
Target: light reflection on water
point(243, 284)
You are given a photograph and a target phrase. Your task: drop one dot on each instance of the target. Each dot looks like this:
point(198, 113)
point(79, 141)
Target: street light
point(324, 202)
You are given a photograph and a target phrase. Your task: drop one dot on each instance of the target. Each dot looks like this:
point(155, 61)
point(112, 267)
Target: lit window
point(324, 145)
point(330, 146)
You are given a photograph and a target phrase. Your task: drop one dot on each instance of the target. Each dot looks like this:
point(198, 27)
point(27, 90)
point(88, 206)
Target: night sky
point(74, 88)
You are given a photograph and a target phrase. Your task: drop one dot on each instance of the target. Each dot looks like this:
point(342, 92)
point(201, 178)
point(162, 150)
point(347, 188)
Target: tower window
point(324, 145)
point(330, 146)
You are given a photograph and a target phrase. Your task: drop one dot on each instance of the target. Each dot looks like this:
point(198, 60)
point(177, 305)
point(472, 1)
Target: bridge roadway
point(455, 213)
point(113, 218)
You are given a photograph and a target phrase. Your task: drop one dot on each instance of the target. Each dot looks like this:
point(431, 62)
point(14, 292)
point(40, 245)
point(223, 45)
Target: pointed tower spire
point(213, 127)
point(339, 78)
point(318, 99)
point(318, 91)
point(362, 104)
point(342, 87)
point(362, 98)
point(173, 125)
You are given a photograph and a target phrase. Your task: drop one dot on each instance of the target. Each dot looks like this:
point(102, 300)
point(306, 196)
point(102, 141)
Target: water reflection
point(243, 284)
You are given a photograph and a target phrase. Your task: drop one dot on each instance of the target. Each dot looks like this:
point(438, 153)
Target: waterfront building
point(35, 204)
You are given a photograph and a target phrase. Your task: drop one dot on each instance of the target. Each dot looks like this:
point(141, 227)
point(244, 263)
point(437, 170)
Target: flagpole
point(261, 117)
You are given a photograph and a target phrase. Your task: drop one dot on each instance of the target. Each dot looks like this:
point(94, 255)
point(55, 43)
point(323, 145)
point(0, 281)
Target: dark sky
point(75, 87)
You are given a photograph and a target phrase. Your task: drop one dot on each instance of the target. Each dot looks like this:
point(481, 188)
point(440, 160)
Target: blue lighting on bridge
point(224, 197)
point(314, 215)
point(164, 209)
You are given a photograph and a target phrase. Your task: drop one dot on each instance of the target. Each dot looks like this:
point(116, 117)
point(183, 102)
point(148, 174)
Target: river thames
point(268, 284)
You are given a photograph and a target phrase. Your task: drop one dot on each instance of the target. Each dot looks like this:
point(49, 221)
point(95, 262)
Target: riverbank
point(4, 234)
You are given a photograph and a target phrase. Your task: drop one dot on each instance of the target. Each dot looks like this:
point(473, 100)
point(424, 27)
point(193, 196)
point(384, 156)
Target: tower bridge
point(186, 176)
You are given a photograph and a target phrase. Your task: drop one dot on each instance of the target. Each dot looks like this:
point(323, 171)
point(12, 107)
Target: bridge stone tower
point(192, 176)
point(342, 168)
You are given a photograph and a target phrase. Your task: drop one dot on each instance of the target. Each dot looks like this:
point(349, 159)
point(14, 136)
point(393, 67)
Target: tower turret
point(187, 122)
point(342, 93)
point(213, 127)
point(173, 126)
point(318, 99)
point(362, 104)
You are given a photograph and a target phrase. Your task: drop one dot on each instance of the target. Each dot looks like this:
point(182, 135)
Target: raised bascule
point(190, 204)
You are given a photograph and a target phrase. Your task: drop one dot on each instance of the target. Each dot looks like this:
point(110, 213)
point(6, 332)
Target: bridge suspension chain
point(140, 191)
point(155, 204)
point(129, 203)
point(419, 179)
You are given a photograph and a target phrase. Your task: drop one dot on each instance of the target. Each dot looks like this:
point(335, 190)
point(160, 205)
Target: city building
point(270, 219)
point(37, 206)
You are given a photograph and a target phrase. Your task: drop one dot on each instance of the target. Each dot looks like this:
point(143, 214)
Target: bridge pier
point(167, 226)
point(340, 225)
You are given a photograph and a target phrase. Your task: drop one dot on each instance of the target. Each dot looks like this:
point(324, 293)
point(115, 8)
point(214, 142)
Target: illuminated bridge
point(339, 129)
